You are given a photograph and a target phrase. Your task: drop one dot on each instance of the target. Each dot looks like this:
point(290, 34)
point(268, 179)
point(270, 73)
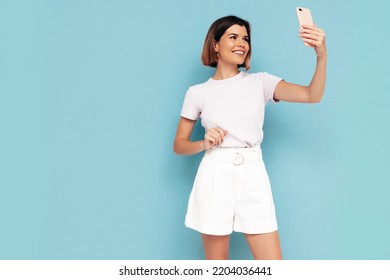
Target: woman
point(231, 190)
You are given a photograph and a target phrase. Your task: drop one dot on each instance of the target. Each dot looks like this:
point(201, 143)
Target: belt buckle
point(239, 159)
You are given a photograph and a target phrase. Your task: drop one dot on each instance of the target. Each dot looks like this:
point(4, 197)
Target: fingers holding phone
point(311, 35)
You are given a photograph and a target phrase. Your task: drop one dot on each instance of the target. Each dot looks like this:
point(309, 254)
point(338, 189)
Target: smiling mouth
point(239, 52)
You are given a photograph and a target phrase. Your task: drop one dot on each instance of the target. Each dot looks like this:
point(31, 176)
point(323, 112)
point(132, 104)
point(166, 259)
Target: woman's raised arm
point(312, 37)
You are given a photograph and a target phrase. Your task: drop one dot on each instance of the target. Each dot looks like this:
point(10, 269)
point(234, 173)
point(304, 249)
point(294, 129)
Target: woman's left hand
point(313, 36)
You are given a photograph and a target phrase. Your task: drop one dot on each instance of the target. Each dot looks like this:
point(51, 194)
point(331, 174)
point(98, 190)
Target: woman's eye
point(233, 37)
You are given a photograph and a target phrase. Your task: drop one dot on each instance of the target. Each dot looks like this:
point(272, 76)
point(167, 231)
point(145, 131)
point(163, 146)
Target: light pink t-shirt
point(235, 104)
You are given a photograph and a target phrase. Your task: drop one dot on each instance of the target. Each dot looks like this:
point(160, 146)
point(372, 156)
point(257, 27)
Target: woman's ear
point(215, 45)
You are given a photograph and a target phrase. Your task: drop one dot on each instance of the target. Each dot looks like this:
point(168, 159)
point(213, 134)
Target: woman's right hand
point(214, 137)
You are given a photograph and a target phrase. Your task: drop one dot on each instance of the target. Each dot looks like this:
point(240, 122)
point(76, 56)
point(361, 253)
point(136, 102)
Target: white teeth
point(239, 52)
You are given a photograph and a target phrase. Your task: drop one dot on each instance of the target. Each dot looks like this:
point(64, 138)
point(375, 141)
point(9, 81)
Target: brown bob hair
point(216, 30)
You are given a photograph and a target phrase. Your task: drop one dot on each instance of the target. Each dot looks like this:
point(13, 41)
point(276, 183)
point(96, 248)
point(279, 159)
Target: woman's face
point(233, 46)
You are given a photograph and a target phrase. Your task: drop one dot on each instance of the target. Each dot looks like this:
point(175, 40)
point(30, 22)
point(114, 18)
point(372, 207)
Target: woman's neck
point(225, 72)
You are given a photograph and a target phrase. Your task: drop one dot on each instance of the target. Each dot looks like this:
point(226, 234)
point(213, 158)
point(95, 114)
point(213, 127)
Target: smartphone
point(304, 16)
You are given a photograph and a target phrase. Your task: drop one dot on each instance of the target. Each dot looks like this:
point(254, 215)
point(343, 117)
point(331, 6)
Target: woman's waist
point(235, 155)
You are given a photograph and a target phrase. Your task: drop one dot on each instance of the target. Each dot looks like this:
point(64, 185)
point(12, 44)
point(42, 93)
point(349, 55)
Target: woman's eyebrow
point(235, 34)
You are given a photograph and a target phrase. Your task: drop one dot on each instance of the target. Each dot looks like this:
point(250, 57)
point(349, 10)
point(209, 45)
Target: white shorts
point(231, 192)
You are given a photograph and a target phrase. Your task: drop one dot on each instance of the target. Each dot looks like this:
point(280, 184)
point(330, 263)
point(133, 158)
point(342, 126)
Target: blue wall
point(90, 97)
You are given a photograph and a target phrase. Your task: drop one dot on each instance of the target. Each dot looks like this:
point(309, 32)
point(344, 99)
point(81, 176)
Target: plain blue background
point(90, 97)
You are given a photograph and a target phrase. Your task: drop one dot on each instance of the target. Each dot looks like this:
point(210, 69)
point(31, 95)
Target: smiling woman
point(232, 28)
point(232, 48)
point(232, 191)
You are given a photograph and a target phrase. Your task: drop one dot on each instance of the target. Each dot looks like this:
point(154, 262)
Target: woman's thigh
point(216, 247)
point(265, 246)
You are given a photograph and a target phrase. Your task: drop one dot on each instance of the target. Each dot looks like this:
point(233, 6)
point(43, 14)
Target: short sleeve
point(190, 109)
point(269, 85)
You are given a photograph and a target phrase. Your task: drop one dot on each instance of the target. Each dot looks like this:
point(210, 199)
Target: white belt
point(236, 156)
